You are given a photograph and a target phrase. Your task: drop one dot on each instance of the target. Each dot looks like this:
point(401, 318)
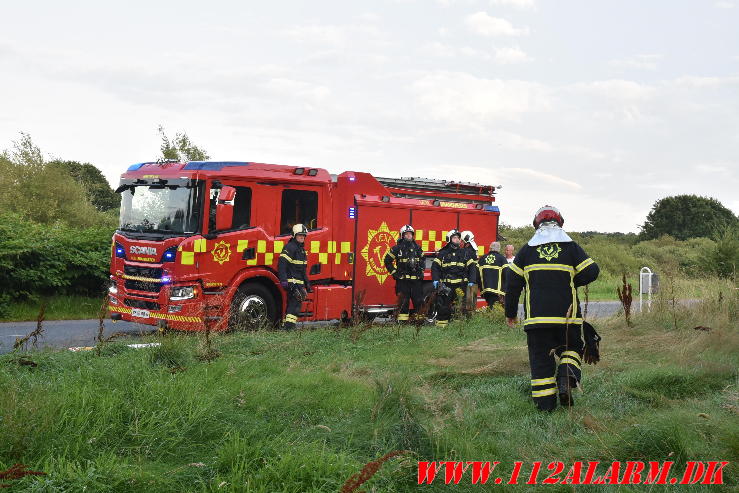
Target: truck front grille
point(148, 305)
point(146, 278)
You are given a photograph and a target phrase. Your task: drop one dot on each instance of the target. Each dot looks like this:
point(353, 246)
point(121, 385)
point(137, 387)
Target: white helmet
point(406, 229)
point(469, 238)
point(451, 233)
point(299, 229)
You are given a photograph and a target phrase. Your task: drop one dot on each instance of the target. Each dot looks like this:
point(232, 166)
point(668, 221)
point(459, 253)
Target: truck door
point(306, 204)
point(377, 227)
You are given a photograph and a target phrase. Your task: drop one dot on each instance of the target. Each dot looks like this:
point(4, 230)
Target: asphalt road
point(73, 333)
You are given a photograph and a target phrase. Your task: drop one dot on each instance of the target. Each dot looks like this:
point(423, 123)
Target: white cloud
point(461, 99)
point(546, 177)
point(703, 82)
point(511, 55)
point(486, 25)
point(725, 4)
point(519, 4)
point(639, 62)
point(333, 34)
point(616, 89)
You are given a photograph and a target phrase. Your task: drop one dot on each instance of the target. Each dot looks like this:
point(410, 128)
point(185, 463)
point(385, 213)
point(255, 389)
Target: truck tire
point(253, 307)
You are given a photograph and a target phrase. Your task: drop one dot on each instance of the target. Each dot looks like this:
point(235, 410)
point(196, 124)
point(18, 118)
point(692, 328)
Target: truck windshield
point(163, 210)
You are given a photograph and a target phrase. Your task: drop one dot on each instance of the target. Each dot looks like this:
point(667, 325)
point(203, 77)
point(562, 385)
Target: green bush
point(42, 260)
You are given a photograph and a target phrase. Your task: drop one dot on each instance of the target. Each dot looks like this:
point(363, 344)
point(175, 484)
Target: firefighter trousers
point(295, 297)
point(549, 377)
point(409, 290)
point(492, 298)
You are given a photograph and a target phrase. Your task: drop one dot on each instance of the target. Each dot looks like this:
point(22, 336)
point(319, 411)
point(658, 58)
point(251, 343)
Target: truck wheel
point(252, 308)
point(428, 290)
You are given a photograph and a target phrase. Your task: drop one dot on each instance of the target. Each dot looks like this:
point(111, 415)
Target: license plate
point(137, 312)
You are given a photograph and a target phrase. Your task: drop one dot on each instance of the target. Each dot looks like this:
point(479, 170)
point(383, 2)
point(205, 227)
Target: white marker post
point(645, 286)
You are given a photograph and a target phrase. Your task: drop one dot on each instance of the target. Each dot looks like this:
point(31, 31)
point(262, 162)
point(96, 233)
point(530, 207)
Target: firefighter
point(551, 267)
point(450, 272)
point(293, 279)
point(405, 263)
point(492, 268)
point(470, 248)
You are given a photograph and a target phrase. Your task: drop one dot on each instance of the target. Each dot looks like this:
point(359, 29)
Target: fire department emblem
point(379, 242)
point(549, 251)
point(221, 252)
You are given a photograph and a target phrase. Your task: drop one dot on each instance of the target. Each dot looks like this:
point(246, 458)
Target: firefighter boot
point(566, 384)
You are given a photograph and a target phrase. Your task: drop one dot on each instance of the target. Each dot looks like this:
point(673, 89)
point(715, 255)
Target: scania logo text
point(142, 250)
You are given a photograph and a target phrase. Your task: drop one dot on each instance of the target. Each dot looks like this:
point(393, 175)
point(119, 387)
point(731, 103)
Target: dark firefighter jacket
point(405, 260)
point(292, 264)
point(551, 274)
point(472, 254)
point(453, 266)
point(492, 268)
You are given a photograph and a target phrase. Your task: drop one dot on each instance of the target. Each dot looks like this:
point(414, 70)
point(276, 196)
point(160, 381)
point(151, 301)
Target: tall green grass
point(303, 411)
point(60, 307)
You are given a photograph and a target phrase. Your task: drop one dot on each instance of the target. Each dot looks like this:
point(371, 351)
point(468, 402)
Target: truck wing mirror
point(225, 208)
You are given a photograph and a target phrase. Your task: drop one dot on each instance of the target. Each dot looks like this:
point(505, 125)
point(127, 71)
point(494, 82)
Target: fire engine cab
point(198, 242)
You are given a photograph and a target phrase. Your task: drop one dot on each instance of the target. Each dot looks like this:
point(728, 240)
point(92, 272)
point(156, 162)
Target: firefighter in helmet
point(492, 269)
point(551, 267)
point(293, 279)
point(404, 261)
point(450, 272)
point(470, 249)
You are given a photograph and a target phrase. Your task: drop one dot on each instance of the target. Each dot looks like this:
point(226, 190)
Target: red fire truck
point(198, 242)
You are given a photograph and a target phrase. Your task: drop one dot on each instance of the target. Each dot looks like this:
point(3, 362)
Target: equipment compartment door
point(377, 227)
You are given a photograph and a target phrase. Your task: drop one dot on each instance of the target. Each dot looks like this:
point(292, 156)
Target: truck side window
point(242, 209)
point(298, 207)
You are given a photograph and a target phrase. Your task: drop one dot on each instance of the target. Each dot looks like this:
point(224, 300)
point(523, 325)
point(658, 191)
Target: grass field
point(63, 307)
point(303, 411)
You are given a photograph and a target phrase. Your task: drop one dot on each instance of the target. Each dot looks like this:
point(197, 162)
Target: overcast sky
point(597, 107)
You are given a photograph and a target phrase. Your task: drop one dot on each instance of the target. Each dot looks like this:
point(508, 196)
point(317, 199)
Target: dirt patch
point(483, 357)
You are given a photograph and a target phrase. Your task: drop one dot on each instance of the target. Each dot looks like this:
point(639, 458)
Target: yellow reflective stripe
point(389, 253)
point(291, 318)
point(442, 323)
point(491, 267)
point(571, 354)
point(543, 393)
point(552, 320)
point(453, 264)
point(569, 361)
point(437, 261)
point(516, 269)
point(583, 264)
point(491, 290)
point(471, 261)
point(453, 281)
point(402, 316)
point(407, 276)
point(566, 268)
point(297, 262)
point(295, 281)
point(163, 316)
point(142, 279)
point(543, 381)
point(187, 258)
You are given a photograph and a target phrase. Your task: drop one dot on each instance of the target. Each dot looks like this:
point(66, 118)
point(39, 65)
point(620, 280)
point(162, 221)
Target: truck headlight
point(179, 293)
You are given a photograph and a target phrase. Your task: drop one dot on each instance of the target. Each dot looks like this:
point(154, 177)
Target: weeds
point(369, 470)
point(624, 295)
point(35, 333)
point(17, 471)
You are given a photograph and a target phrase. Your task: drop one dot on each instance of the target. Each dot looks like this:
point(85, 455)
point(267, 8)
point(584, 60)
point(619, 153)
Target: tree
point(41, 193)
point(180, 148)
point(98, 189)
point(687, 216)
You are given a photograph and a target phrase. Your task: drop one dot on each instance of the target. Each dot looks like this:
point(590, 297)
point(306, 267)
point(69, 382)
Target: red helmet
point(548, 213)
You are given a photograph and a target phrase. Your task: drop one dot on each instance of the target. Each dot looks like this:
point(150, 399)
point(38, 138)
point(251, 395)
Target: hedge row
point(38, 260)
